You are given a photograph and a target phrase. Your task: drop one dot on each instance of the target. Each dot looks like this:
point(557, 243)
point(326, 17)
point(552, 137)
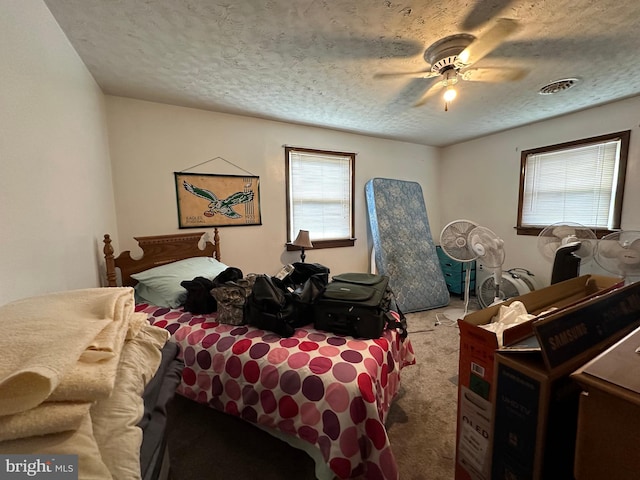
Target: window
point(320, 191)
point(580, 182)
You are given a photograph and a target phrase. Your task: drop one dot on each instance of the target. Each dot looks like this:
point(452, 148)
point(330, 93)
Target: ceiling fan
point(452, 57)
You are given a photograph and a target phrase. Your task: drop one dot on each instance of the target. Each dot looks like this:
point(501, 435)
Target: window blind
point(320, 199)
point(576, 185)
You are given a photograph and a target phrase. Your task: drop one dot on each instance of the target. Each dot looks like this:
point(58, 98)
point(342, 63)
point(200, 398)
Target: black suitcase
point(354, 304)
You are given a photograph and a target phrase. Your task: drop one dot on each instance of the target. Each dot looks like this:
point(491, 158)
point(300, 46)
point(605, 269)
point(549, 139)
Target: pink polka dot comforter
point(329, 390)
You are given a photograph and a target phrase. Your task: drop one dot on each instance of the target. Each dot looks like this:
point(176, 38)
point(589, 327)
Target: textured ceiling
point(313, 61)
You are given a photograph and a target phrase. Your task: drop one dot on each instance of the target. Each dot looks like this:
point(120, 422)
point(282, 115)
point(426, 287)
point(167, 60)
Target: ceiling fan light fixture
point(449, 79)
point(451, 56)
point(444, 53)
point(450, 94)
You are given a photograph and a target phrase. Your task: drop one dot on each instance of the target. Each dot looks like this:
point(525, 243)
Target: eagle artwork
point(222, 207)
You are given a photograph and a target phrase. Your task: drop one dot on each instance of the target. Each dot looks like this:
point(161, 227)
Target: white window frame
point(339, 199)
point(599, 179)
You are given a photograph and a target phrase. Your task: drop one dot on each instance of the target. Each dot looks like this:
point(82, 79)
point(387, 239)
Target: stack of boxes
point(517, 401)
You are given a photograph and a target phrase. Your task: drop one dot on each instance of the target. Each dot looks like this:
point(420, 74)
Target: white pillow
point(163, 283)
point(144, 294)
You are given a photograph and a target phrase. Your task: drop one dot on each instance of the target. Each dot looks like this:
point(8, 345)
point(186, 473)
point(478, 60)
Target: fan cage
point(626, 262)
point(453, 240)
point(547, 239)
point(514, 282)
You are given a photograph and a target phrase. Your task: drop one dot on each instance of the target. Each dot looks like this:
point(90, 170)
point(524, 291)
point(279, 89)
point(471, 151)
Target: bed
point(325, 393)
point(84, 384)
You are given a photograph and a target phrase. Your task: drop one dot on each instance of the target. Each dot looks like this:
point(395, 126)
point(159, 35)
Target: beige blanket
point(45, 337)
point(79, 442)
point(118, 359)
point(48, 417)
point(89, 381)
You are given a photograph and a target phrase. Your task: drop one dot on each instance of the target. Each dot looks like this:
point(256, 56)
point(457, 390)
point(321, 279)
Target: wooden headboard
point(156, 250)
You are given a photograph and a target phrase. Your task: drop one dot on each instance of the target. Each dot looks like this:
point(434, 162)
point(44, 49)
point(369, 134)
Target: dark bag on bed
point(359, 305)
point(270, 306)
point(273, 305)
point(304, 271)
point(199, 299)
point(229, 274)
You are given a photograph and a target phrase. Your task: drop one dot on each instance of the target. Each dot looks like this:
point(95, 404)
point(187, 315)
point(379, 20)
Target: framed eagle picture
point(206, 200)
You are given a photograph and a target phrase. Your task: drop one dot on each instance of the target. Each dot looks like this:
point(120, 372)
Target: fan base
point(455, 314)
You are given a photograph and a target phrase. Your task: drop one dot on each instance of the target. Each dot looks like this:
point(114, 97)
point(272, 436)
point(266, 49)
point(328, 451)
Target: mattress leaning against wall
point(403, 246)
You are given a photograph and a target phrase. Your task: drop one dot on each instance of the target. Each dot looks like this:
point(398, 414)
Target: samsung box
point(536, 400)
point(478, 348)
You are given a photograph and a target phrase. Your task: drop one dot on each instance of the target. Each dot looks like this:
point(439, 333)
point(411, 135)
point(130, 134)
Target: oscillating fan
point(568, 245)
point(489, 249)
point(619, 253)
point(514, 282)
point(454, 243)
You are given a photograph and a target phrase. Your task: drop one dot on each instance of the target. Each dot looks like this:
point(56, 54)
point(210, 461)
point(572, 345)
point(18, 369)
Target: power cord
point(447, 323)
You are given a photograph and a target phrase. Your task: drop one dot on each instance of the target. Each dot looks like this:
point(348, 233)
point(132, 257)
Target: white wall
point(149, 142)
point(56, 194)
point(480, 178)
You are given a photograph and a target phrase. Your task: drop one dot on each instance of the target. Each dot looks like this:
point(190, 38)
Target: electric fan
point(489, 249)
point(454, 243)
point(619, 253)
point(568, 245)
point(514, 282)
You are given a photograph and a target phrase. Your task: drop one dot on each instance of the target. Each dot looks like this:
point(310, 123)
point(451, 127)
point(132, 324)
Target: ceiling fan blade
point(486, 43)
point(493, 74)
point(431, 91)
point(483, 12)
point(423, 74)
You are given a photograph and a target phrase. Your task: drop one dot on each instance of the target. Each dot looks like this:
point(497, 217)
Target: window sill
point(535, 231)
point(318, 244)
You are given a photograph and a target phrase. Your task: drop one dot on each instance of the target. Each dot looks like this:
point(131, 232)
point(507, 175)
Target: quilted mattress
point(403, 246)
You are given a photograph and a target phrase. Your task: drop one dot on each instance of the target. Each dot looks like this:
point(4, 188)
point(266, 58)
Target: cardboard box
point(609, 414)
point(536, 404)
point(478, 347)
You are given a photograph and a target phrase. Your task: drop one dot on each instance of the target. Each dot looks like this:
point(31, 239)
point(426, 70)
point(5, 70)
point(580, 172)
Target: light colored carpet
point(422, 420)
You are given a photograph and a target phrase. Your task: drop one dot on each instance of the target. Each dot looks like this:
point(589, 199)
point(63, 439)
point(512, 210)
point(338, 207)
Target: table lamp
point(302, 241)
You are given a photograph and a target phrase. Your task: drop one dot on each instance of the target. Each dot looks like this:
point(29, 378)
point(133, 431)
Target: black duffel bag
point(270, 306)
point(274, 306)
point(304, 271)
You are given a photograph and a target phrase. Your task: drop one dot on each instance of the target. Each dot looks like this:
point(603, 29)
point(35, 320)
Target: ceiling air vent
point(558, 86)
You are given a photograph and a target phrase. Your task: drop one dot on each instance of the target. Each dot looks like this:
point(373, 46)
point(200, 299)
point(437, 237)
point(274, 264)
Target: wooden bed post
point(216, 243)
point(110, 262)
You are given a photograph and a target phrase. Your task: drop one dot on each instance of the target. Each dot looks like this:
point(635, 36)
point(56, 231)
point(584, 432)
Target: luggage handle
point(347, 293)
point(358, 278)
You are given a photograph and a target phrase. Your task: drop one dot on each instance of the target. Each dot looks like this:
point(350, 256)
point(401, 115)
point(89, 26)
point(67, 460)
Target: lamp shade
point(302, 240)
